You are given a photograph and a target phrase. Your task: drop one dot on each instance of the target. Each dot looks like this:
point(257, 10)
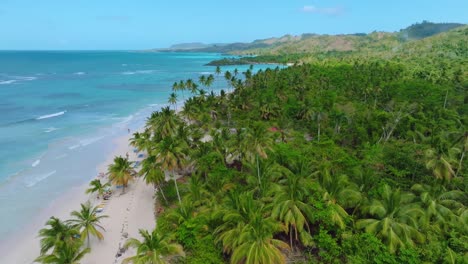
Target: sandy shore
point(127, 213)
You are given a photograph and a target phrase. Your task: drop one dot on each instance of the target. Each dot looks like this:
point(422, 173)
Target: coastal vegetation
point(338, 159)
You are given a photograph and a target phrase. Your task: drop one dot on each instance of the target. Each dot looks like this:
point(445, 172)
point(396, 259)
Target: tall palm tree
point(87, 221)
point(153, 174)
point(64, 254)
point(394, 219)
point(228, 76)
point(57, 232)
point(257, 142)
point(121, 172)
point(153, 249)
point(173, 100)
point(209, 81)
point(218, 72)
point(170, 154)
point(97, 187)
point(202, 80)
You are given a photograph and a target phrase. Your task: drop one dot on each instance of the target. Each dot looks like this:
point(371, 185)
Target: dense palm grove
point(345, 162)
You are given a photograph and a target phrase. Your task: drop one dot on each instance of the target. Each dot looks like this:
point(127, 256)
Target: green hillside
point(426, 29)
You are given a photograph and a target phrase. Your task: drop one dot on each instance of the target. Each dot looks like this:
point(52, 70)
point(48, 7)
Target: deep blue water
point(59, 112)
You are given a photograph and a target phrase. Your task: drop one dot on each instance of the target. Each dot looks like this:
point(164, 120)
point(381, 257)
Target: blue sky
point(142, 24)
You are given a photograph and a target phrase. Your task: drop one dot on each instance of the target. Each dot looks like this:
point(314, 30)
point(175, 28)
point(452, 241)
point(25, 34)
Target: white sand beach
point(127, 213)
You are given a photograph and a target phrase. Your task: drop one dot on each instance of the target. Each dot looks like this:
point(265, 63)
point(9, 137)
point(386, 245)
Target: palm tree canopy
point(153, 249)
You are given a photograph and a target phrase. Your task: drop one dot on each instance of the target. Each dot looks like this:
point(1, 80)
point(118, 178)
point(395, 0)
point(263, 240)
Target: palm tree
point(291, 207)
point(170, 154)
point(121, 172)
point(152, 173)
point(202, 80)
point(141, 141)
point(337, 192)
point(87, 221)
point(97, 187)
point(257, 142)
point(394, 219)
point(173, 100)
point(209, 81)
point(57, 232)
point(154, 249)
point(438, 203)
point(440, 164)
point(228, 76)
point(218, 72)
point(257, 245)
point(64, 254)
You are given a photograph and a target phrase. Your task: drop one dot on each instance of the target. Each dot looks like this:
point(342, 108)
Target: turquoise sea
point(61, 110)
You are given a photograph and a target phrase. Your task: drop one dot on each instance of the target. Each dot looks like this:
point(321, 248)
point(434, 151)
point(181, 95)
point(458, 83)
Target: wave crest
point(51, 115)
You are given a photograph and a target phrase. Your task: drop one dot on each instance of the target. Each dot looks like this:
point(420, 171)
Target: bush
point(366, 248)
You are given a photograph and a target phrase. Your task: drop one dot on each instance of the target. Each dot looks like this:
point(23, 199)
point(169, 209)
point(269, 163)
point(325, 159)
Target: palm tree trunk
point(291, 239)
point(162, 193)
point(87, 231)
point(318, 132)
point(177, 188)
point(460, 163)
point(258, 175)
point(445, 101)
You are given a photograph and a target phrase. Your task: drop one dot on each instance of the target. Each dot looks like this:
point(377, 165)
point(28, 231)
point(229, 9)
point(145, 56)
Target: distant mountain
point(426, 29)
point(314, 43)
point(188, 46)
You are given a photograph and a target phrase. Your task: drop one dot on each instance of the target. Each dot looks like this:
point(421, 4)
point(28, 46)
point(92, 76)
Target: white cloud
point(332, 11)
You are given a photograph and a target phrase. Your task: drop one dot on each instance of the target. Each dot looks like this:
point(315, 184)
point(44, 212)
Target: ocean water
point(60, 111)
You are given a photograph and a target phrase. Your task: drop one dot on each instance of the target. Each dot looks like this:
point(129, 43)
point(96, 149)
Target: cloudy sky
point(143, 24)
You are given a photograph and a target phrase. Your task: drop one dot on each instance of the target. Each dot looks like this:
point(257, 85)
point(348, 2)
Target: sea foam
point(51, 115)
point(39, 178)
point(7, 82)
point(35, 163)
point(50, 129)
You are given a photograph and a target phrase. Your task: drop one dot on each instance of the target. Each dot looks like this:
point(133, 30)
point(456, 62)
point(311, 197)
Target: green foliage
point(349, 159)
point(366, 248)
point(328, 249)
point(204, 251)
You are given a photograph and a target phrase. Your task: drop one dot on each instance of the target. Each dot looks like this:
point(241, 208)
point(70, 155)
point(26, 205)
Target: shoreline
point(24, 247)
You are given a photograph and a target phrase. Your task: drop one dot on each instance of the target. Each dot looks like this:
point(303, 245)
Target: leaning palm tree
point(394, 219)
point(87, 221)
point(97, 187)
point(64, 254)
point(56, 232)
point(121, 172)
point(155, 248)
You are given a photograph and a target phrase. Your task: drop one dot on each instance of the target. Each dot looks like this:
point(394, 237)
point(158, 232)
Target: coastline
point(129, 212)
